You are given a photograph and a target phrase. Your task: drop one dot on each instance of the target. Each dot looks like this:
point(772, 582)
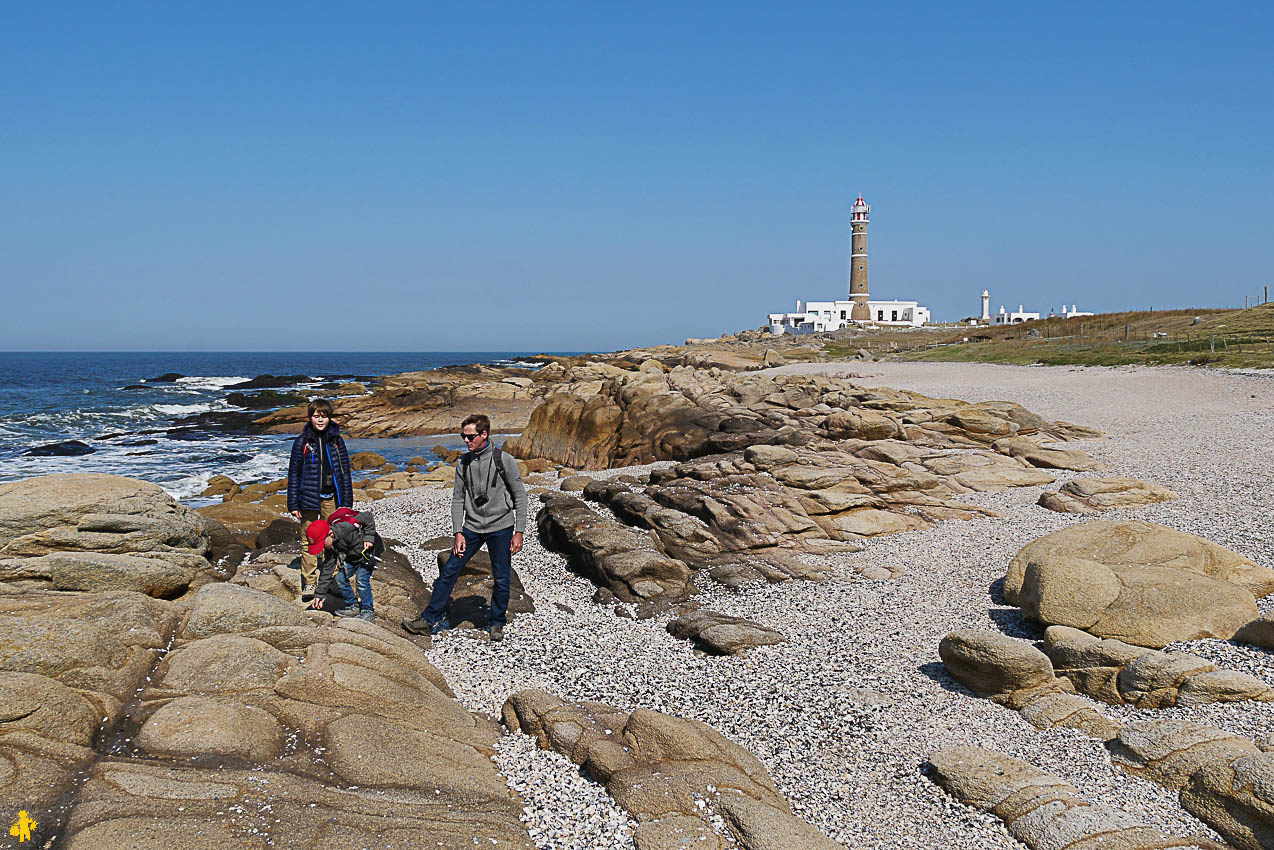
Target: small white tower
point(986, 306)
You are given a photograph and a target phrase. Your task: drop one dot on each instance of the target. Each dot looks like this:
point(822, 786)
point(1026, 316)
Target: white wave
point(181, 409)
point(200, 382)
point(262, 466)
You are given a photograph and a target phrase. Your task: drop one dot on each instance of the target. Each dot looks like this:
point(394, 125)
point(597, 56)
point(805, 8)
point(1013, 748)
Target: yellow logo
point(22, 827)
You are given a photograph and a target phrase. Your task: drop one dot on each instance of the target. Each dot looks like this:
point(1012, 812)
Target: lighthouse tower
point(858, 261)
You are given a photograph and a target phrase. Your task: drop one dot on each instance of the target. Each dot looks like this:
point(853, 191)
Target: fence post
point(1212, 343)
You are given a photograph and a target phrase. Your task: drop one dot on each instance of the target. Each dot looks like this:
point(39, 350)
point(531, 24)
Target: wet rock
point(66, 448)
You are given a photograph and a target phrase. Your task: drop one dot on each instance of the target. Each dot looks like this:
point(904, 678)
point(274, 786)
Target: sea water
point(51, 397)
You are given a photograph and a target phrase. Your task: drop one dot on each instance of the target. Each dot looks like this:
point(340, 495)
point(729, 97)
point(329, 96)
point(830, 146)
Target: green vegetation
point(1221, 338)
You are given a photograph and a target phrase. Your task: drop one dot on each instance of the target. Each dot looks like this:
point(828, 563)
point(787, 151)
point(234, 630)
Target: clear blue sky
point(591, 176)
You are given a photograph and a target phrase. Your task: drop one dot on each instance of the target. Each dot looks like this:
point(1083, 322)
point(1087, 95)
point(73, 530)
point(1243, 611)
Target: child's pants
point(362, 579)
point(309, 563)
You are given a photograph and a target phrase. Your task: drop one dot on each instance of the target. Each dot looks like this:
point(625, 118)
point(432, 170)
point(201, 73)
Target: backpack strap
point(497, 457)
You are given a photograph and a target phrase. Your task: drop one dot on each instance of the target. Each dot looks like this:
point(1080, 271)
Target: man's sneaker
point(496, 633)
point(421, 626)
point(351, 611)
point(307, 593)
point(367, 615)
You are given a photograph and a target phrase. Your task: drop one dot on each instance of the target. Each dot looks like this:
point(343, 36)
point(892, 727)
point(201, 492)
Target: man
point(488, 506)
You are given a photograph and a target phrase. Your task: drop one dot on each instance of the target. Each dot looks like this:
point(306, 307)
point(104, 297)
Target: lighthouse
point(858, 261)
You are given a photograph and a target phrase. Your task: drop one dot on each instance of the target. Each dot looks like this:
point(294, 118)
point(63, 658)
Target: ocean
point(143, 428)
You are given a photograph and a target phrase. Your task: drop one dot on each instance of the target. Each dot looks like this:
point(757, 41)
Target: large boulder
point(994, 665)
point(1137, 544)
point(1143, 605)
point(107, 515)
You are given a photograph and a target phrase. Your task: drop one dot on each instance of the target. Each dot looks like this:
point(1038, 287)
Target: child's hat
point(316, 533)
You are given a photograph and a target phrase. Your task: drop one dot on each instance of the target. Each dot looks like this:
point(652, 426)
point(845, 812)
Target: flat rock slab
point(1094, 495)
point(721, 634)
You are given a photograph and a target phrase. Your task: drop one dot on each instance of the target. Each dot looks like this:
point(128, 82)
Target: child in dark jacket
point(346, 544)
point(319, 480)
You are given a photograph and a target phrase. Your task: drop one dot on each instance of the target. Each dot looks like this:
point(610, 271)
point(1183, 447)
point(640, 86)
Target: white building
point(1072, 313)
point(820, 316)
point(1016, 318)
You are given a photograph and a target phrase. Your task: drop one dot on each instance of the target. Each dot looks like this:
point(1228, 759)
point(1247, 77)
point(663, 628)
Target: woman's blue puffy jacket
point(305, 474)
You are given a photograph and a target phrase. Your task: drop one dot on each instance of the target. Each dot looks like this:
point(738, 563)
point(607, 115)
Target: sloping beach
point(846, 713)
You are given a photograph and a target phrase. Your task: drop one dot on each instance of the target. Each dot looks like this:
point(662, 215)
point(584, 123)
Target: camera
point(480, 499)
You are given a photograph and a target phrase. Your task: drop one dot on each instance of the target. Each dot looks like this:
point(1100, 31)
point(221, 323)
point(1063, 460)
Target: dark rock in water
point(267, 400)
point(136, 387)
point(234, 457)
point(166, 378)
point(261, 382)
point(67, 448)
point(146, 442)
point(200, 426)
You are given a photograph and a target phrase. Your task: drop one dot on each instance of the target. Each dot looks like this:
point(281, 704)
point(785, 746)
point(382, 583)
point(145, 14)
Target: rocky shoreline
point(727, 630)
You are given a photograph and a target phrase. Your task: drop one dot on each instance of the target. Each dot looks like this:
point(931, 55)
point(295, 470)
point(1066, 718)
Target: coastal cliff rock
point(666, 770)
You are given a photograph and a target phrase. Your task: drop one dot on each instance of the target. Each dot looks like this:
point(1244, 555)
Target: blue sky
point(561, 176)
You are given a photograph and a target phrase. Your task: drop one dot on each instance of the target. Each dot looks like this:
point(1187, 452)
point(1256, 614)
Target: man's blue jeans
point(362, 578)
point(498, 548)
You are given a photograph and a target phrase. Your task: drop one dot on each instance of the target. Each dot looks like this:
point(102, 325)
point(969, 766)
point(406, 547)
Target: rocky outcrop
point(1015, 674)
point(684, 413)
point(609, 554)
point(230, 716)
point(1119, 673)
point(1041, 810)
point(431, 402)
point(1136, 582)
point(1094, 495)
point(721, 634)
point(666, 771)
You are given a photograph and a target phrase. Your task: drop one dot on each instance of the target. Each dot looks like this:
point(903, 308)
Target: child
point(350, 538)
point(319, 480)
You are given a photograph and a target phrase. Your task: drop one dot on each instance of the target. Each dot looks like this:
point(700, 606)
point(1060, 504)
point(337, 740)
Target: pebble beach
point(846, 712)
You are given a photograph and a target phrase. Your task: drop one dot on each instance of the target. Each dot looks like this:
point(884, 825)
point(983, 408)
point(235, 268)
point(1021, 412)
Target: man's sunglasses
point(468, 437)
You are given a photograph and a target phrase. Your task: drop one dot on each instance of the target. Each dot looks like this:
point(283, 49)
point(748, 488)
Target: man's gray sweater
point(504, 506)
